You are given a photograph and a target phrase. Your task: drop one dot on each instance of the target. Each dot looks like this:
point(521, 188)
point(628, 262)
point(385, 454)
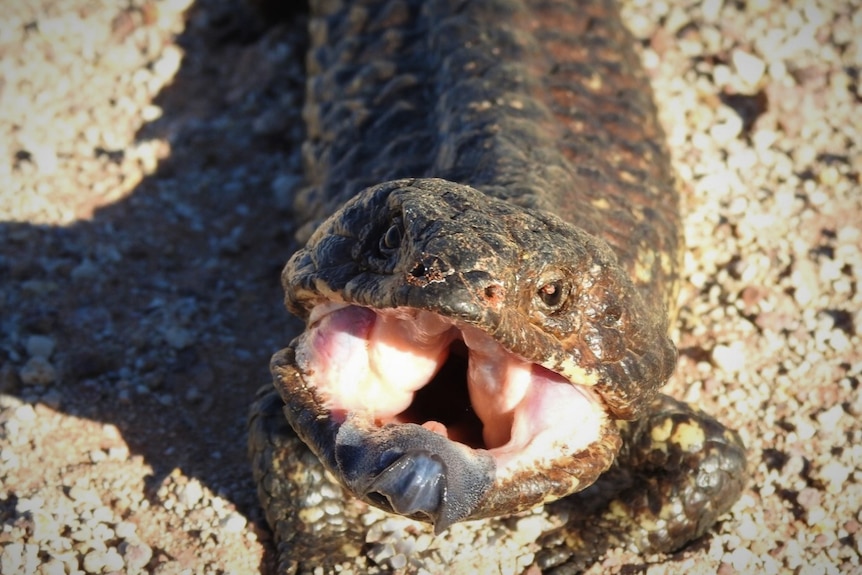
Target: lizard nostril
point(430, 269)
point(419, 270)
point(495, 293)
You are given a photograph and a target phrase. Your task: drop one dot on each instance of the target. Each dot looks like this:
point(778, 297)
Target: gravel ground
point(148, 154)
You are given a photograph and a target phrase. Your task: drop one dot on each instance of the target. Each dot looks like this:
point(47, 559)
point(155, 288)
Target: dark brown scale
point(574, 256)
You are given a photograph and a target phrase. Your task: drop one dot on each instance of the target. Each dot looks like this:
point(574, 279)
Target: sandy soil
point(148, 154)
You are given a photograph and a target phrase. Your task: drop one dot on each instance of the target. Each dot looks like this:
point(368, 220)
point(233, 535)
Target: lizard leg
point(678, 471)
point(306, 508)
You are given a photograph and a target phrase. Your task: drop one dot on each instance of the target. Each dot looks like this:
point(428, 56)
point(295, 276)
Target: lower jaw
point(502, 491)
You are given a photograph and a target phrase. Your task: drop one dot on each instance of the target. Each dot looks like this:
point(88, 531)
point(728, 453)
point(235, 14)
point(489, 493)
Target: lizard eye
point(391, 238)
point(553, 291)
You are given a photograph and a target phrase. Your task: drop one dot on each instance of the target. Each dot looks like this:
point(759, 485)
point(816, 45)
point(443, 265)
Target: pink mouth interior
point(410, 366)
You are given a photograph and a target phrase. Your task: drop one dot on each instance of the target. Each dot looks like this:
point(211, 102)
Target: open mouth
point(403, 365)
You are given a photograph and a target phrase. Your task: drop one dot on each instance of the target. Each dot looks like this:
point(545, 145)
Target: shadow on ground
point(165, 307)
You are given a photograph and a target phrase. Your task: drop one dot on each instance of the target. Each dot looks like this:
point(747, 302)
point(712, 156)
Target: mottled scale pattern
point(541, 104)
point(558, 116)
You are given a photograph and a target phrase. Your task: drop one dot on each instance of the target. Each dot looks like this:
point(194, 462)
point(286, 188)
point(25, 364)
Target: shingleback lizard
point(490, 263)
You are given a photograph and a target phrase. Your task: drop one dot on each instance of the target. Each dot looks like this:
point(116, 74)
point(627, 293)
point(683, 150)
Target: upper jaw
point(447, 248)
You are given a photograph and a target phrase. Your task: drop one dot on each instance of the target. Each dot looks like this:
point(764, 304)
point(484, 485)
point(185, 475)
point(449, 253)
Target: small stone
point(721, 75)
point(233, 523)
point(815, 516)
point(37, 371)
point(120, 453)
point(84, 271)
point(12, 558)
point(178, 337)
point(711, 9)
point(748, 67)
point(113, 561)
point(730, 358)
point(151, 113)
point(828, 419)
point(83, 495)
point(742, 560)
point(528, 529)
point(381, 553)
point(40, 346)
point(804, 280)
point(125, 529)
point(104, 515)
point(829, 176)
point(25, 412)
point(836, 474)
point(45, 526)
point(805, 430)
point(97, 456)
point(808, 498)
point(641, 26)
point(136, 555)
point(747, 529)
point(727, 130)
point(166, 67)
point(52, 566)
point(191, 493)
point(45, 158)
point(94, 561)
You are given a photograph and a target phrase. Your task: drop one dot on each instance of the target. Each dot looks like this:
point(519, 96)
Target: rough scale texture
point(542, 108)
point(112, 242)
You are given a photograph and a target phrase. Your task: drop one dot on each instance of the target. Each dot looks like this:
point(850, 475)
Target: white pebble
point(528, 529)
point(748, 67)
point(151, 113)
point(742, 560)
point(836, 474)
point(727, 130)
point(233, 523)
point(191, 493)
point(125, 529)
point(166, 67)
point(730, 358)
point(45, 158)
point(113, 561)
point(11, 557)
point(52, 566)
point(711, 9)
point(805, 430)
point(136, 555)
point(94, 561)
point(804, 280)
point(25, 413)
point(828, 419)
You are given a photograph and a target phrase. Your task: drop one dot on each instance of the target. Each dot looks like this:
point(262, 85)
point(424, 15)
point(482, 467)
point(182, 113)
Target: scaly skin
point(498, 164)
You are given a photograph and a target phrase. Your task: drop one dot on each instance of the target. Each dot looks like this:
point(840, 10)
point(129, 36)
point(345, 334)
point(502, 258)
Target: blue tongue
point(413, 471)
point(415, 483)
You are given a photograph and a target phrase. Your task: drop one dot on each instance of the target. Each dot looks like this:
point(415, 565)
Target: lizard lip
point(403, 365)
